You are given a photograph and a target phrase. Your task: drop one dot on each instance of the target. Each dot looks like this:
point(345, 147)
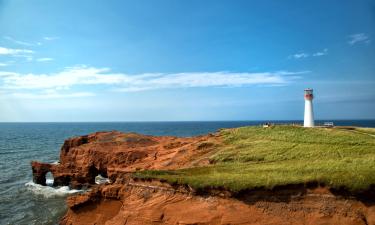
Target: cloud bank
point(14, 51)
point(87, 78)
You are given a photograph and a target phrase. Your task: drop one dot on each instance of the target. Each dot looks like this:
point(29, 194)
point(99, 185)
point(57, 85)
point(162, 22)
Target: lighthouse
point(309, 114)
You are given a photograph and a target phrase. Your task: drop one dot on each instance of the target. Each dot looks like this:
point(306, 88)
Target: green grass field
point(267, 157)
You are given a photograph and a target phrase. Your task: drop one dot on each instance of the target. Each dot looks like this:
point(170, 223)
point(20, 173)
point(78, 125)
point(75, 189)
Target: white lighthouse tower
point(309, 114)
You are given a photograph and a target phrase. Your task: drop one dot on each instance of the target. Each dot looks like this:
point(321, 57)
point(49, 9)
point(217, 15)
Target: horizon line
point(173, 121)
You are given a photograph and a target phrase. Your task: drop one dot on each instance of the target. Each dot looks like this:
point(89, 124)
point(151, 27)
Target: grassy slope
point(266, 157)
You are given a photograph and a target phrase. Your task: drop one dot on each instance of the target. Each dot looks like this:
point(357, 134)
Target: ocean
point(23, 202)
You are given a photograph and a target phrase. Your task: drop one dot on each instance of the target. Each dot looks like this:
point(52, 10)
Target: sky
point(168, 60)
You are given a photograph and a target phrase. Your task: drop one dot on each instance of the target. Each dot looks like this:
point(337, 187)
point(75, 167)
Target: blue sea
point(23, 202)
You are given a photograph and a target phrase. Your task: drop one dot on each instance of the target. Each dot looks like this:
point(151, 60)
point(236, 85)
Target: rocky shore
point(128, 200)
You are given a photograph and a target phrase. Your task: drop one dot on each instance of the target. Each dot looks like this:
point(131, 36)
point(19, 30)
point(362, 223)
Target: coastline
point(146, 200)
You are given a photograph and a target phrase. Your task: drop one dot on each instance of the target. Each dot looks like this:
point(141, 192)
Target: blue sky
point(138, 60)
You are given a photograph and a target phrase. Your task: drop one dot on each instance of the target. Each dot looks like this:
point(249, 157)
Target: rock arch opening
point(39, 172)
point(98, 176)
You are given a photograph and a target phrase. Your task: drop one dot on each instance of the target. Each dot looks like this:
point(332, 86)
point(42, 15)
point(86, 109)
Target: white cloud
point(51, 95)
point(89, 76)
point(204, 79)
point(18, 42)
point(3, 64)
point(7, 74)
point(300, 55)
point(83, 81)
point(51, 38)
point(14, 52)
point(44, 59)
point(303, 55)
point(321, 53)
point(359, 38)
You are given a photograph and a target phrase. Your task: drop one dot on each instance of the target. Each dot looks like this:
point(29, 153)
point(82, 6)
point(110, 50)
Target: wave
point(15, 152)
point(49, 182)
point(101, 180)
point(48, 191)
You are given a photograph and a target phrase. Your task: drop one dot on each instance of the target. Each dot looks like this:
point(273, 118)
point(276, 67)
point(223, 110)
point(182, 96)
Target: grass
point(370, 131)
point(253, 157)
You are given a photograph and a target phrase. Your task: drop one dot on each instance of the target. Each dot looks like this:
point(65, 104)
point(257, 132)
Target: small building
point(328, 124)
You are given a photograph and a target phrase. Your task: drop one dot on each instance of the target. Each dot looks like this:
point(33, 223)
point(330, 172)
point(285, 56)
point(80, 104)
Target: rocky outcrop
point(126, 201)
point(40, 171)
point(115, 154)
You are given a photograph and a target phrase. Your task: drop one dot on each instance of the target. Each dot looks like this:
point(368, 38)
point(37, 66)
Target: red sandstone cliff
point(126, 201)
point(114, 154)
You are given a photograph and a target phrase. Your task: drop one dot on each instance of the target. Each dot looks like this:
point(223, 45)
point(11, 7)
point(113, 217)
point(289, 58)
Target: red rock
point(142, 204)
point(39, 172)
point(112, 153)
point(125, 201)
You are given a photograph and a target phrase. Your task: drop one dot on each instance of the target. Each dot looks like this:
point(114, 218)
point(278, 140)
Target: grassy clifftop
point(252, 157)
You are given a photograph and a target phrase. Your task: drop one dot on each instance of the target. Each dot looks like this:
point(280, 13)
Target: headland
point(246, 175)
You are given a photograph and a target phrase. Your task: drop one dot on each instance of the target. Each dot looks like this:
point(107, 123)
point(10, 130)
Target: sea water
point(24, 202)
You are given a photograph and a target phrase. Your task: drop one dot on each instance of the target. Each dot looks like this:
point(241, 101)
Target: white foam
point(55, 163)
point(101, 180)
point(49, 182)
point(48, 191)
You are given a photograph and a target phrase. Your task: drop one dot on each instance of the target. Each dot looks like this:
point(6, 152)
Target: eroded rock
point(113, 154)
point(116, 155)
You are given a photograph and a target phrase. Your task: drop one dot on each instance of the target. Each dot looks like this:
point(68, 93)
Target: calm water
point(23, 202)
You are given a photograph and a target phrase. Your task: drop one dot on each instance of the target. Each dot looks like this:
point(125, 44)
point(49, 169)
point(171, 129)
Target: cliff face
point(127, 201)
point(116, 154)
point(148, 203)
